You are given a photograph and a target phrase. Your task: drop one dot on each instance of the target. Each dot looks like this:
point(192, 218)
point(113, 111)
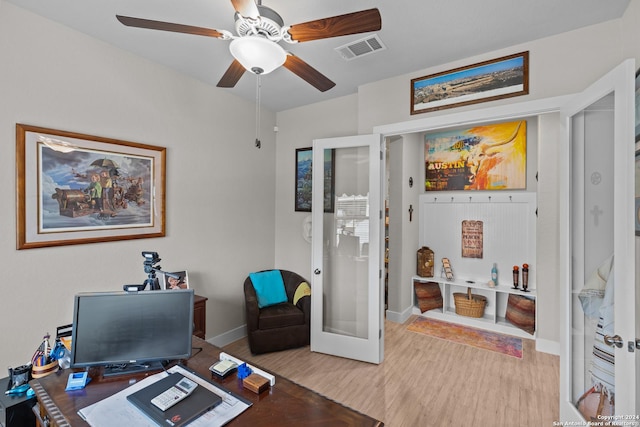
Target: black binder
point(199, 402)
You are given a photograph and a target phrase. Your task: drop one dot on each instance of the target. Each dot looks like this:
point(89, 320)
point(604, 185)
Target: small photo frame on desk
point(174, 280)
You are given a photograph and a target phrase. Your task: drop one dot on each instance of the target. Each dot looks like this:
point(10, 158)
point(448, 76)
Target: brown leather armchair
point(281, 326)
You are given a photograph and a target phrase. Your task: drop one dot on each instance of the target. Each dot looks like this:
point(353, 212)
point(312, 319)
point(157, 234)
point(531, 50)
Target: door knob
point(613, 340)
point(316, 271)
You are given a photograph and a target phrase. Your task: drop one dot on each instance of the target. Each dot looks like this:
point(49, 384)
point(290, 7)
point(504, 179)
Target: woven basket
point(468, 304)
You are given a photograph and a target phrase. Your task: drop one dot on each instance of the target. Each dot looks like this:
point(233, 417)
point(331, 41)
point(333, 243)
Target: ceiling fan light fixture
point(258, 54)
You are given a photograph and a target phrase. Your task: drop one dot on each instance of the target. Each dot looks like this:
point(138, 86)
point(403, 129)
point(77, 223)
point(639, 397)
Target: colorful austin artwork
point(488, 157)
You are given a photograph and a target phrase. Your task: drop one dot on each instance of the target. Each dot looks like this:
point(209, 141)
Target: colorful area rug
point(486, 340)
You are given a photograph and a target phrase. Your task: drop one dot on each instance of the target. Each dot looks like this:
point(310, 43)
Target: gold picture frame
point(74, 188)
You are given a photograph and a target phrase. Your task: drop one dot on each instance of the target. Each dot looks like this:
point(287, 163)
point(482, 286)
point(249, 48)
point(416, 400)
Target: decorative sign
point(487, 157)
point(472, 241)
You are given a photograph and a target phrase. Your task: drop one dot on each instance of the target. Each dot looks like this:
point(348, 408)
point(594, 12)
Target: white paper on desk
point(116, 410)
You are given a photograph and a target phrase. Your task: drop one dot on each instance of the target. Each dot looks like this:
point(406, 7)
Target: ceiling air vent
point(361, 47)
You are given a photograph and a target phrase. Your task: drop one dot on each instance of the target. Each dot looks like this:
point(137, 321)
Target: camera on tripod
point(150, 267)
point(150, 259)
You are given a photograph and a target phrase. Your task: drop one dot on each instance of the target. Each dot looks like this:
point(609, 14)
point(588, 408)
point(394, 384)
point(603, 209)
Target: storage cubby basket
point(468, 304)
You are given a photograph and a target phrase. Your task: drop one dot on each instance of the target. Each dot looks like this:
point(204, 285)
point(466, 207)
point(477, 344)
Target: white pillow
point(606, 310)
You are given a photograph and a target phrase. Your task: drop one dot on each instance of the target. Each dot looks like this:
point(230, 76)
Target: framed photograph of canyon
point(485, 81)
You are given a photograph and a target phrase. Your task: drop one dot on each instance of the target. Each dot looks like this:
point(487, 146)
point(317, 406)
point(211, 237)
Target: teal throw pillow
point(269, 287)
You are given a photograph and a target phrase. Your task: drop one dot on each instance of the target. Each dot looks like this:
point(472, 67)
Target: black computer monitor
point(131, 331)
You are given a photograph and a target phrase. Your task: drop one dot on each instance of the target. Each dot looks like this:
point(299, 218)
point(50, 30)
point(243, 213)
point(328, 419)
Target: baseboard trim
point(399, 317)
point(542, 345)
point(229, 336)
point(548, 346)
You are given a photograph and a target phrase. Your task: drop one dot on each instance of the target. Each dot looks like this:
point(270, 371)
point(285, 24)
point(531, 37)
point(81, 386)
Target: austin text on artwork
point(489, 157)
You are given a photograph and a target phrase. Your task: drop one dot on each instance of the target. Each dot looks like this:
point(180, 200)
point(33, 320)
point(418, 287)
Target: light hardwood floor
point(426, 381)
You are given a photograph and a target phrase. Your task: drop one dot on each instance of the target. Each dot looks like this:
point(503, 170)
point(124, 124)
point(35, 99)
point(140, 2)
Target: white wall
point(559, 65)
point(220, 188)
point(297, 128)
point(403, 233)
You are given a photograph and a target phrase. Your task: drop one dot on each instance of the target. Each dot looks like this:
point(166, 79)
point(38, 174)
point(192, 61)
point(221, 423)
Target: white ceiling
point(417, 33)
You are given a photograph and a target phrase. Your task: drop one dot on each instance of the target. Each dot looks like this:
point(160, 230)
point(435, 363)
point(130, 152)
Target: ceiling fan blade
point(168, 26)
point(307, 73)
point(341, 25)
point(232, 75)
point(246, 8)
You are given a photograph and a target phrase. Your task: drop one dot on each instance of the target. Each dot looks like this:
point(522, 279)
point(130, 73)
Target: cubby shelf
point(494, 315)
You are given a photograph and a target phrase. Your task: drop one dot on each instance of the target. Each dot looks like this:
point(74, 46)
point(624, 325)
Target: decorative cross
point(410, 212)
point(596, 212)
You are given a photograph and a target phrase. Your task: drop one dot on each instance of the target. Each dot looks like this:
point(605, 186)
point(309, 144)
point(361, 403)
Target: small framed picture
point(174, 280)
point(303, 179)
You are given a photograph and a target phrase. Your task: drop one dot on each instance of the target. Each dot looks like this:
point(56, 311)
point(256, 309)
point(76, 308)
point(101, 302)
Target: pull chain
point(258, 143)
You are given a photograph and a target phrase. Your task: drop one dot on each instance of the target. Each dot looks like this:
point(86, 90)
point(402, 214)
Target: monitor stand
point(131, 368)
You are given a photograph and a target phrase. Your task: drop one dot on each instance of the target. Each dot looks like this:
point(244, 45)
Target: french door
point(600, 324)
point(346, 297)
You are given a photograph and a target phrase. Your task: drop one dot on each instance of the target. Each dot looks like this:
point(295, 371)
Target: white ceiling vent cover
point(361, 47)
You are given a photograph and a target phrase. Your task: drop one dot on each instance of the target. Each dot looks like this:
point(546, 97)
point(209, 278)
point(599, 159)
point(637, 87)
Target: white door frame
point(493, 114)
point(504, 112)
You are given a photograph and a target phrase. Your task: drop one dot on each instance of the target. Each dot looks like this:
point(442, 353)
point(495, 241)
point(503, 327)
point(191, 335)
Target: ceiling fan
point(256, 48)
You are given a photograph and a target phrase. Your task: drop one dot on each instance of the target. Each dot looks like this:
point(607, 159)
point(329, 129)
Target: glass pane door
point(592, 149)
point(346, 303)
point(598, 366)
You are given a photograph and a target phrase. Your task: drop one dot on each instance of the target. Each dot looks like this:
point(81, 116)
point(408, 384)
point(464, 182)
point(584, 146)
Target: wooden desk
point(285, 404)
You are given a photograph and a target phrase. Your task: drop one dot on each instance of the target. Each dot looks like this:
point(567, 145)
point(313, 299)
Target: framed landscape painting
point(304, 183)
point(74, 188)
point(485, 81)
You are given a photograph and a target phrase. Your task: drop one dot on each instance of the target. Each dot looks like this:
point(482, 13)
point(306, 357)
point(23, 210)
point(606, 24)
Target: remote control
point(175, 394)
